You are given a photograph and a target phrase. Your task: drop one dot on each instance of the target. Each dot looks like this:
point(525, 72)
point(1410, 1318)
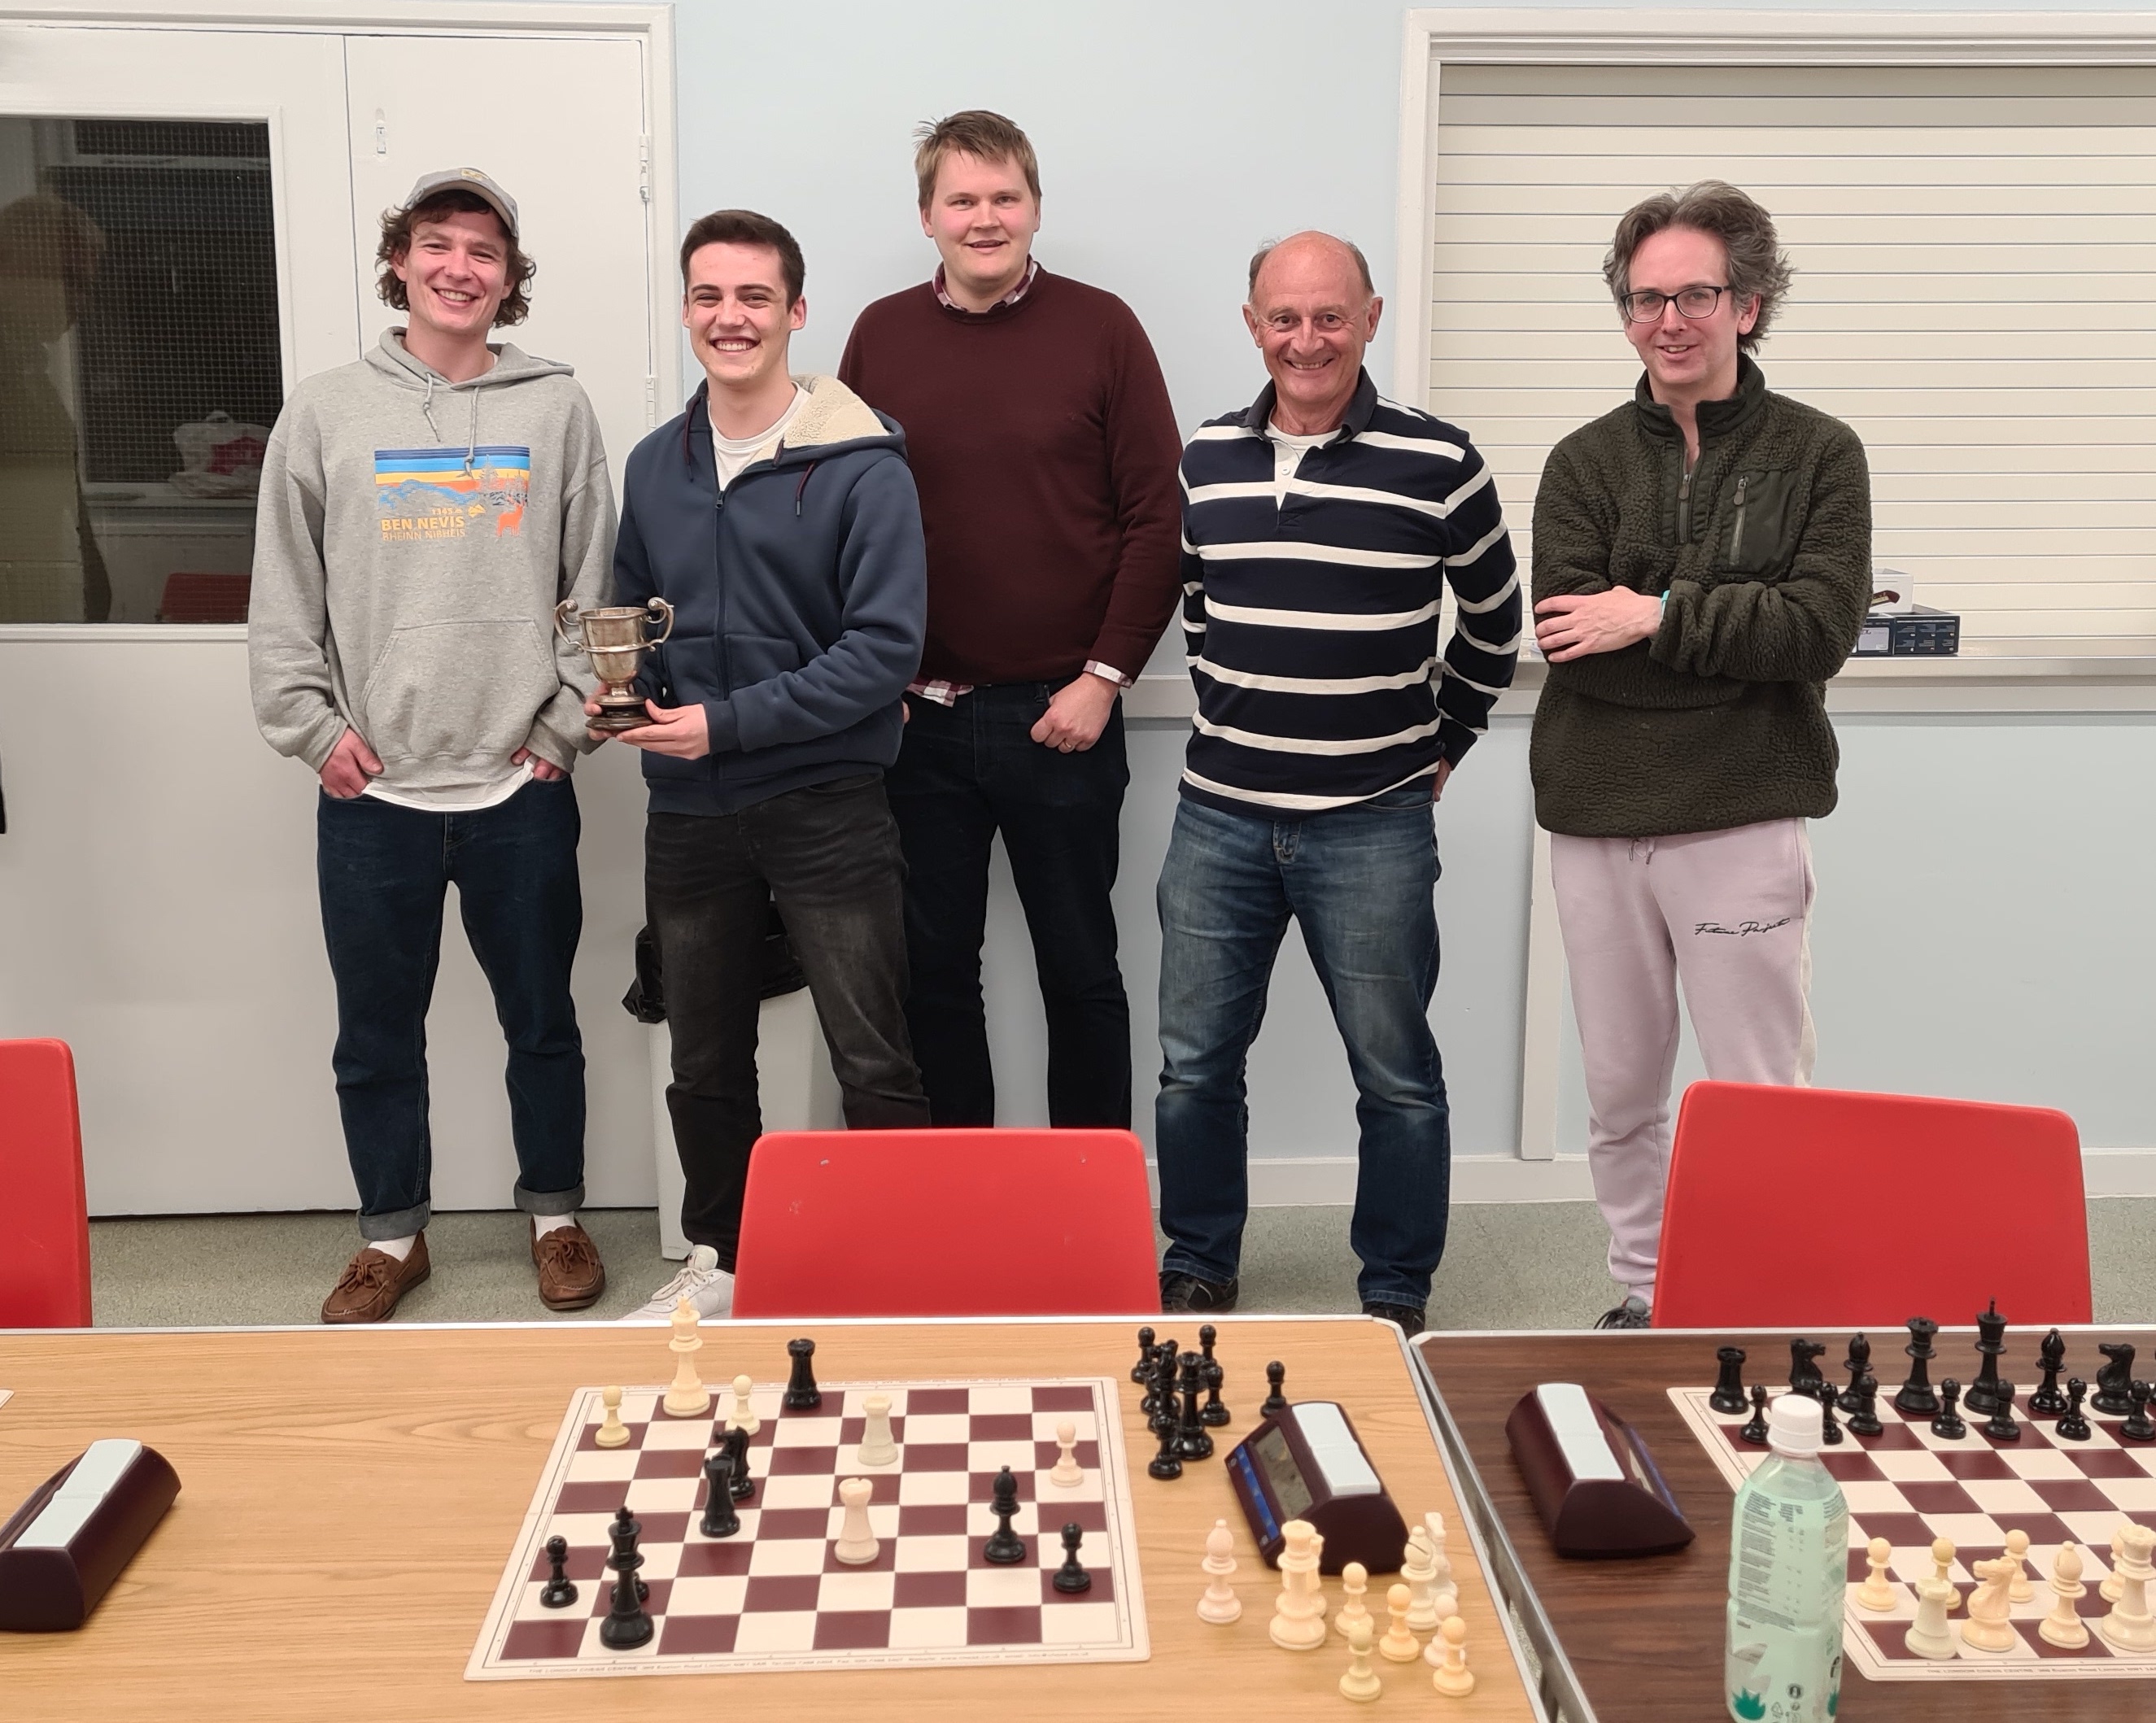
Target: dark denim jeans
point(1359, 882)
point(827, 855)
point(383, 872)
point(965, 772)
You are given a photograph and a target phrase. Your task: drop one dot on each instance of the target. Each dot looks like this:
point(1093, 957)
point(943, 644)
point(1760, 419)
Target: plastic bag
point(220, 457)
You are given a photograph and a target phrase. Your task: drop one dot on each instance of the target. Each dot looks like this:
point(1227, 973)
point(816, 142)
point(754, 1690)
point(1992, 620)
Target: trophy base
point(618, 714)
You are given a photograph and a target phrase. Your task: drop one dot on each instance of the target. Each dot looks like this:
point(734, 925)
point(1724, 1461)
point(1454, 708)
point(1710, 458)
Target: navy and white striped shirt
point(1310, 608)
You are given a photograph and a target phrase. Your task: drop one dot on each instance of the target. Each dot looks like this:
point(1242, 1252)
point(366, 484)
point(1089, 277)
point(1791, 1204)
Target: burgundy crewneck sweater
point(1045, 450)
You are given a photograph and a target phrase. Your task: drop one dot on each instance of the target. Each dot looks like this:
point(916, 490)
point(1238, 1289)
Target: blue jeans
point(384, 871)
point(1359, 881)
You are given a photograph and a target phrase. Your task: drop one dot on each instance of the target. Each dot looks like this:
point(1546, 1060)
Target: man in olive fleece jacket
point(1702, 563)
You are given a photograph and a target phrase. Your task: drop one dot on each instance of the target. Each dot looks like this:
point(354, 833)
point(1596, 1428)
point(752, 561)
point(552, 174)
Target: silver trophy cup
point(615, 639)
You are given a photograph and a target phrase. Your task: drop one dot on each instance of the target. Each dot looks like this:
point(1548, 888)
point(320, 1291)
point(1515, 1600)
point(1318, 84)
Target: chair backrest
point(1817, 1208)
point(204, 599)
point(44, 1220)
point(947, 1224)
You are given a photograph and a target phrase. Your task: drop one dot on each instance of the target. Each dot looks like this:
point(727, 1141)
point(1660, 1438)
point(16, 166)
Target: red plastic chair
point(1819, 1207)
point(947, 1224)
point(204, 599)
point(44, 1219)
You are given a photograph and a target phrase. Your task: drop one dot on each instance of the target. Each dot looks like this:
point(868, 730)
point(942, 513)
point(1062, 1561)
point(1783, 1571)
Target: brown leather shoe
point(571, 1275)
point(372, 1282)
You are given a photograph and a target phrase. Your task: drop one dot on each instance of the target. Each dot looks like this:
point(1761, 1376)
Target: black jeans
point(963, 773)
point(383, 872)
point(827, 855)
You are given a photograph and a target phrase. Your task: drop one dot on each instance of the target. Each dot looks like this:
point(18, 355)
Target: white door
point(157, 904)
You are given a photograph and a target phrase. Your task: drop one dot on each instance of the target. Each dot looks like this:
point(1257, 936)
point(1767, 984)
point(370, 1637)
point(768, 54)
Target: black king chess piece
point(1728, 1395)
point(2047, 1402)
point(1004, 1547)
point(720, 1520)
point(1143, 1368)
point(1946, 1420)
point(1191, 1440)
point(627, 1626)
point(1858, 1362)
point(1916, 1397)
point(1985, 1392)
point(1756, 1431)
point(2115, 1381)
point(1804, 1376)
point(1864, 1420)
point(1276, 1400)
point(802, 1393)
point(2073, 1426)
point(561, 1591)
point(2000, 1426)
point(1071, 1576)
point(2138, 1427)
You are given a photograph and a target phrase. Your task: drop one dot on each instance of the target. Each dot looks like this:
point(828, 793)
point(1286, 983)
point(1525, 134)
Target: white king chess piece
point(688, 1396)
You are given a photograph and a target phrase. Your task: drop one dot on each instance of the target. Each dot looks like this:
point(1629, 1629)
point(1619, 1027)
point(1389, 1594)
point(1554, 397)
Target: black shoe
point(1180, 1292)
point(1406, 1318)
point(1633, 1313)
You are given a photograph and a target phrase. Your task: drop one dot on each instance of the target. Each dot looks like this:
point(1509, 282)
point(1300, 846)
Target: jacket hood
point(511, 364)
point(832, 418)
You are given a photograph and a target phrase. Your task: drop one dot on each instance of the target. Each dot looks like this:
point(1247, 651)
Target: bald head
point(1312, 254)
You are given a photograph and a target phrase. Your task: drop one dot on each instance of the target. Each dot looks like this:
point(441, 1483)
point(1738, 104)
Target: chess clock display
point(1595, 1485)
point(1307, 1462)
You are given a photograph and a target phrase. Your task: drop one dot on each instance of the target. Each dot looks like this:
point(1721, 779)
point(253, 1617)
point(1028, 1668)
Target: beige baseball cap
point(466, 179)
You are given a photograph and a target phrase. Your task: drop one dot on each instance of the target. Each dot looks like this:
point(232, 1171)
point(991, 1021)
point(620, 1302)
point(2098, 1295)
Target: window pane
point(139, 369)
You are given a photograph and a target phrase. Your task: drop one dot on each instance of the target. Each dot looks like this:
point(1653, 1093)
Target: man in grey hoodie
point(423, 511)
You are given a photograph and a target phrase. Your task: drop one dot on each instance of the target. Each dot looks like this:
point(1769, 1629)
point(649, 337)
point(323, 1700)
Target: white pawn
point(1942, 1554)
point(1354, 1581)
point(2018, 1588)
point(2064, 1626)
point(877, 1448)
point(1361, 1683)
point(743, 1416)
point(1453, 1677)
point(688, 1396)
point(1878, 1592)
point(2129, 1626)
point(1298, 1622)
point(1219, 1605)
point(613, 1433)
point(1068, 1475)
point(857, 1545)
point(1398, 1644)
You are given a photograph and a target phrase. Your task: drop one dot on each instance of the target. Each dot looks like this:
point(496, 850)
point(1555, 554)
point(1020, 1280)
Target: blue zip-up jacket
point(799, 596)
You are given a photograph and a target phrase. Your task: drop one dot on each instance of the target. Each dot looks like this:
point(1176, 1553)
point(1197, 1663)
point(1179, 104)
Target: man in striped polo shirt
point(1320, 526)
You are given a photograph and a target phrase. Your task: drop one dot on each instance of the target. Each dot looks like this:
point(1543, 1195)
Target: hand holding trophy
point(614, 638)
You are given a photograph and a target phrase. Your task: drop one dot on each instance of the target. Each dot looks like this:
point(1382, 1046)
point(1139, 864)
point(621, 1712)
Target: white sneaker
point(706, 1285)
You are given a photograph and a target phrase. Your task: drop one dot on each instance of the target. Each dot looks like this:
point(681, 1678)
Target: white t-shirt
point(730, 454)
point(1288, 453)
point(519, 776)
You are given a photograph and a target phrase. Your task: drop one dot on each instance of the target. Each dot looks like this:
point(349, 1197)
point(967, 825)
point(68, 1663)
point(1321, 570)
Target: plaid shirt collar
point(1016, 294)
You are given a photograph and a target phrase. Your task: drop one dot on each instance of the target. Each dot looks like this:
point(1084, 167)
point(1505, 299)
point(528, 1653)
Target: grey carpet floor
point(1506, 1265)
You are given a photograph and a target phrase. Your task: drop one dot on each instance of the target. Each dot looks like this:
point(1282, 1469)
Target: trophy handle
point(665, 609)
point(566, 608)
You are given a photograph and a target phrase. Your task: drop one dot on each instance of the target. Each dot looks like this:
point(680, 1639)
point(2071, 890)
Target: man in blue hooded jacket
point(778, 518)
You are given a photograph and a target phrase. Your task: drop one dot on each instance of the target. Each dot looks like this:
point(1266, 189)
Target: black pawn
point(2000, 1426)
point(2072, 1427)
point(720, 1520)
point(1830, 1430)
point(1864, 1420)
point(561, 1589)
point(2047, 1401)
point(1946, 1420)
point(1164, 1465)
point(1275, 1401)
point(1916, 1397)
point(1804, 1376)
point(1004, 1547)
point(1728, 1395)
point(2139, 1426)
point(2114, 1382)
point(802, 1393)
point(1213, 1413)
point(1756, 1431)
point(1857, 1363)
point(1207, 1336)
point(1071, 1576)
point(626, 1626)
point(744, 1486)
point(1142, 1370)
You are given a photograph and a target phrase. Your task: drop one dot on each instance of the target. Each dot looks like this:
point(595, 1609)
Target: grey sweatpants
point(1727, 914)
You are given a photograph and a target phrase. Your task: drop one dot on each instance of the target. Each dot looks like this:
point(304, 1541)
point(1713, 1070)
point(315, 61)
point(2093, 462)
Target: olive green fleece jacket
point(1764, 550)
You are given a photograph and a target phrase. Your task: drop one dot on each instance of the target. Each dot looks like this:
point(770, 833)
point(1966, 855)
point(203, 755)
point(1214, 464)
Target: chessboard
point(774, 1595)
point(1910, 1486)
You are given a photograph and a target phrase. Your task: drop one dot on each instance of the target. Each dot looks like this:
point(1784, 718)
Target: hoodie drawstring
point(427, 408)
point(801, 487)
point(471, 439)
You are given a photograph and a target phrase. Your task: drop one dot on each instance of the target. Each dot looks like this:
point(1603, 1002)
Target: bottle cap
point(1794, 1422)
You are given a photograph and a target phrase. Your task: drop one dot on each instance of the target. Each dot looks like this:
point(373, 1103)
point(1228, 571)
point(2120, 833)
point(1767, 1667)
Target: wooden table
point(349, 1497)
point(1642, 1641)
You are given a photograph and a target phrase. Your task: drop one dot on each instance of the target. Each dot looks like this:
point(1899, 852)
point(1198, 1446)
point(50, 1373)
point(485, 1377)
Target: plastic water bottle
point(1789, 1564)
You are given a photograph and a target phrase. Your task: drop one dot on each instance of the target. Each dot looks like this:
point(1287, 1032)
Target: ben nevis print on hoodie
point(451, 492)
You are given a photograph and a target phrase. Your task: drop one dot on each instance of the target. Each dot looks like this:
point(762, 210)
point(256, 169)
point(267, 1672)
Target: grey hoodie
point(414, 538)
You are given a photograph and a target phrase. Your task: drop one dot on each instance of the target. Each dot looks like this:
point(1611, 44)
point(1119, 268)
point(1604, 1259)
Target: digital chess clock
point(1307, 1462)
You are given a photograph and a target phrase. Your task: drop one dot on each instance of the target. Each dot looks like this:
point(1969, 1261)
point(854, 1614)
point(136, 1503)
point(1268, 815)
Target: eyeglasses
point(1692, 302)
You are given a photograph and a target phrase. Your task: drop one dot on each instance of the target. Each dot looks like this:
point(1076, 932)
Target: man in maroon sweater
point(1040, 434)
